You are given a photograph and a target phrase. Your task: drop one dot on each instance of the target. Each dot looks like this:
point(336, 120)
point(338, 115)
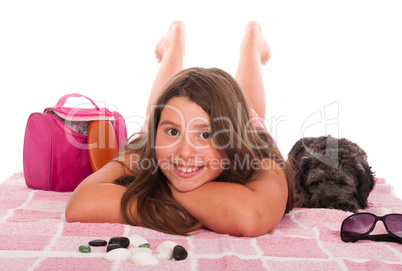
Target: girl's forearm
point(96, 203)
point(97, 199)
point(226, 208)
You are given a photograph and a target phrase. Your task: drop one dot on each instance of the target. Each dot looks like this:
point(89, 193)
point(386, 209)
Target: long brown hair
point(238, 141)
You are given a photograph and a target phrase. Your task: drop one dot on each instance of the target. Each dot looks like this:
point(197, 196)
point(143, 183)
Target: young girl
point(204, 158)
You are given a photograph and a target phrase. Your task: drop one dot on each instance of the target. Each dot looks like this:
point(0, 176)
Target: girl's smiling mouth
point(187, 171)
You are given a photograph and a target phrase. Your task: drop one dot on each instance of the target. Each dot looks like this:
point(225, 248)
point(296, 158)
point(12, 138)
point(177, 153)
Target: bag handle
point(63, 99)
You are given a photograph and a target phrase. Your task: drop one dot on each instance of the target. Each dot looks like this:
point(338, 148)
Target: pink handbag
point(55, 154)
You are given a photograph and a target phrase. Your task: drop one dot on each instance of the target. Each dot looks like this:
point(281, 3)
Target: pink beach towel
point(35, 236)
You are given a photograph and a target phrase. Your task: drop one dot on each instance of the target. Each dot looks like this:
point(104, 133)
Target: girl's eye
point(172, 132)
point(205, 135)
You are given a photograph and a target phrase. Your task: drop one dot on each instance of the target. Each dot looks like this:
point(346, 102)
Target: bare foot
point(254, 40)
point(173, 40)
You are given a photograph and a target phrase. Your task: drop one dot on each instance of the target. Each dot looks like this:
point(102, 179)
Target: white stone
point(143, 258)
point(134, 250)
point(118, 254)
point(165, 250)
point(164, 255)
point(137, 240)
point(166, 245)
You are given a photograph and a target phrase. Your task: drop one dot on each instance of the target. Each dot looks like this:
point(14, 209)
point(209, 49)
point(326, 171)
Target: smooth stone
point(164, 255)
point(143, 259)
point(134, 250)
point(165, 250)
point(84, 249)
point(119, 255)
point(113, 247)
point(97, 243)
point(166, 245)
point(123, 241)
point(179, 253)
point(137, 240)
point(145, 245)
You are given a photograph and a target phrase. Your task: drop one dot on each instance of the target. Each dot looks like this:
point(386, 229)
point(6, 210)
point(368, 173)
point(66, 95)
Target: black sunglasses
point(358, 226)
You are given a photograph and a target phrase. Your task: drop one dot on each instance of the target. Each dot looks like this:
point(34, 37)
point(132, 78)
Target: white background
point(340, 59)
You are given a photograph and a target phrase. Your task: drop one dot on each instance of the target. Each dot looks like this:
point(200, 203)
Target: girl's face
point(183, 145)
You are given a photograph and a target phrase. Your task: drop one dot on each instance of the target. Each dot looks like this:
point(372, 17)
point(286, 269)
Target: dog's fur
point(331, 173)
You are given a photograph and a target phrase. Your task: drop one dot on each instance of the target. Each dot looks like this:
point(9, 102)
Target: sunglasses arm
point(381, 237)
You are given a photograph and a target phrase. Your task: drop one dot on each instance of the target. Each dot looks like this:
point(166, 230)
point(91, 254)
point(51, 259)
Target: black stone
point(123, 241)
point(97, 243)
point(113, 246)
point(179, 253)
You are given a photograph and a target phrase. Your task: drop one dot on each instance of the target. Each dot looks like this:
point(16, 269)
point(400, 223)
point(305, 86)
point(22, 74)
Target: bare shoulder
point(269, 173)
point(128, 160)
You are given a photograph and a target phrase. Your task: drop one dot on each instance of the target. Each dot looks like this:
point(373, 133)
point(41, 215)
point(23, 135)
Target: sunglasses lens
point(394, 224)
point(356, 226)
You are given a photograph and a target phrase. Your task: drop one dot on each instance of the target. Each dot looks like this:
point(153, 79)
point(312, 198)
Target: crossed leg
point(254, 51)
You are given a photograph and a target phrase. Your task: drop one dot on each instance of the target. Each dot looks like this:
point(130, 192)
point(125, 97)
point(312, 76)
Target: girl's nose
point(185, 150)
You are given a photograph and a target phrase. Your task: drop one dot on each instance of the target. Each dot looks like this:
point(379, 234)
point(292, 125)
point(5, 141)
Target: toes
point(158, 55)
point(253, 26)
point(265, 58)
point(158, 59)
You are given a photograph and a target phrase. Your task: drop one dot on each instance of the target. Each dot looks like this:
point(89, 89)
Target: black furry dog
point(331, 173)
